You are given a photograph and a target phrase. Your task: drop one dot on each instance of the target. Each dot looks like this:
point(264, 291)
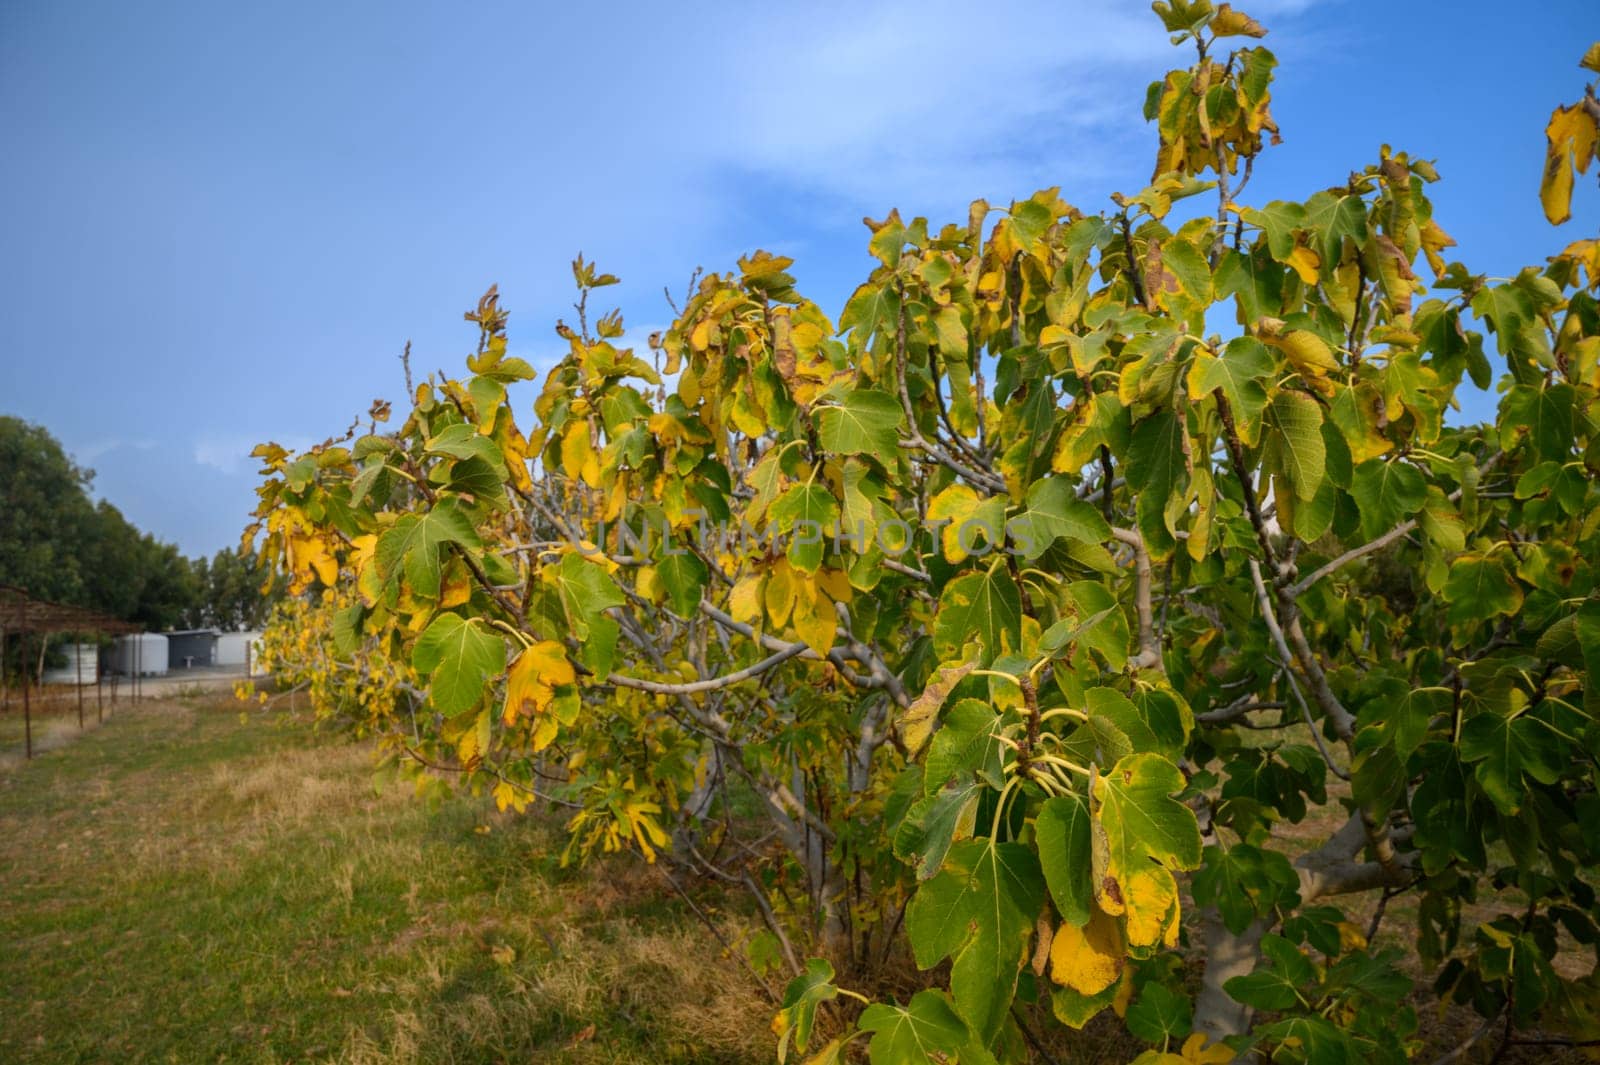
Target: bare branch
point(710, 683)
point(1149, 656)
point(1264, 601)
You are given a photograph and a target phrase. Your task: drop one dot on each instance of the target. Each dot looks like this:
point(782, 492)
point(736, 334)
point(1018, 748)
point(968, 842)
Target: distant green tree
point(167, 588)
point(234, 592)
point(58, 544)
point(45, 513)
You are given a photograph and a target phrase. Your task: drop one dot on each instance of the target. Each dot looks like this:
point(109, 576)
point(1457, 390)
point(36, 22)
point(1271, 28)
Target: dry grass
point(184, 886)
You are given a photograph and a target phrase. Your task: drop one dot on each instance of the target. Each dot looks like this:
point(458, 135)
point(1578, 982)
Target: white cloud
point(921, 105)
point(937, 103)
point(231, 454)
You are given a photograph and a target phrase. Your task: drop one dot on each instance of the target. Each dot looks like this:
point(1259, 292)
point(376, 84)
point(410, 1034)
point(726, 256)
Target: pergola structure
point(21, 613)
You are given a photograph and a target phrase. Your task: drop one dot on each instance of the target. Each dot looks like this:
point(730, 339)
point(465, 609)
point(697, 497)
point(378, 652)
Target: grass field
point(178, 885)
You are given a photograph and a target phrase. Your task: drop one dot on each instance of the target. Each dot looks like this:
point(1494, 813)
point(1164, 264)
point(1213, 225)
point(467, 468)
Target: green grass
point(180, 885)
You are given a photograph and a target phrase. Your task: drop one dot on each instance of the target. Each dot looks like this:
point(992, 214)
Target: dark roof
point(20, 612)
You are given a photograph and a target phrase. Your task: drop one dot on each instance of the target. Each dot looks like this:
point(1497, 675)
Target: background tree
point(45, 514)
point(234, 592)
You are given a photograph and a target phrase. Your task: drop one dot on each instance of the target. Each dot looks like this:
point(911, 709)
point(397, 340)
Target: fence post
point(27, 716)
point(77, 661)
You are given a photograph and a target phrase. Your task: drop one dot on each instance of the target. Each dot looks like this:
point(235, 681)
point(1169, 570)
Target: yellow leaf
point(814, 619)
point(917, 723)
point(1310, 355)
point(1230, 23)
point(991, 290)
point(578, 459)
point(1151, 898)
point(780, 593)
point(1435, 240)
point(647, 583)
point(1571, 137)
point(832, 1054)
point(1119, 1004)
point(836, 582)
point(309, 557)
point(646, 831)
point(1586, 253)
point(1087, 959)
point(1197, 1052)
point(1306, 263)
point(955, 505)
point(473, 741)
point(457, 588)
point(509, 796)
point(534, 676)
point(700, 338)
point(744, 602)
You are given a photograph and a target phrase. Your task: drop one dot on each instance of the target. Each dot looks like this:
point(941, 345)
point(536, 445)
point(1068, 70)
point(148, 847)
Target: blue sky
point(221, 223)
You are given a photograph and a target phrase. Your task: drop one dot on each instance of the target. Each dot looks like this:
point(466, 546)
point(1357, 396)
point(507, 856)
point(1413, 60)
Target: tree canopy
point(1100, 607)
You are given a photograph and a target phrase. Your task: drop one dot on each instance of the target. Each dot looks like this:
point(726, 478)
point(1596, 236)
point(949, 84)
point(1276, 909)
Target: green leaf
point(458, 657)
point(1161, 733)
point(1062, 832)
point(1542, 416)
point(1505, 748)
point(1294, 424)
point(1276, 986)
point(1508, 309)
point(866, 423)
point(1337, 218)
point(923, 1033)
point(801, 998)
point(413, 544)
point(935, 822)
point(982, 606)
point(1155, 454)
point(966, 744)
point(1245, 882)
point(1279, 220)
point(1053, 511)
point(1480, 588)
point(586, 592)
point(1254, 280)
point(964, 755)
point(979, 912)
point(476, 478)
point(807, 514)
point(1157, 470)
point(1313, 1039)
point(684, 577)
point(1029, 220)
point(462, 441)
point(347, 629)
point(1387, 493)
point(1100, 625)
point(1237, 372)
point(1160, 1015)
point(869, 309)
